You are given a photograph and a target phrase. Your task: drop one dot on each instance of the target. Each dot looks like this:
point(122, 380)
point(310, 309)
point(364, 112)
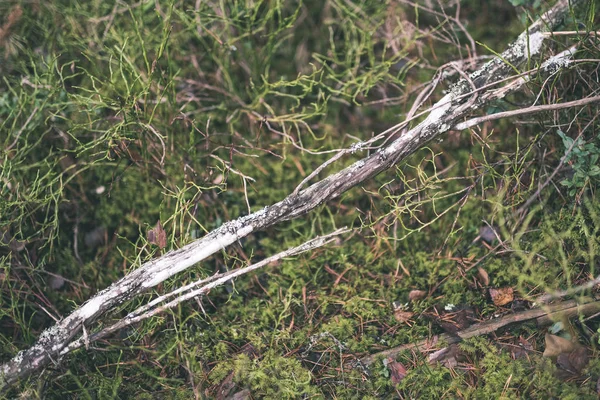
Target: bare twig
point(524, 111)
point(572, 33)
point(568, 292)
point(543, 316)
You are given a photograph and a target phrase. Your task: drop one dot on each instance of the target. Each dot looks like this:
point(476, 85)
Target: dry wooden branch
point(196, 289)
point(543, 316)
point(524, 111)
point(454, 107)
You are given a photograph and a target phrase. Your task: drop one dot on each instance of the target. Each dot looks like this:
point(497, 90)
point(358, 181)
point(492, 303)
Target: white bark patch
point(185, 260)
point(561, 60)
point(440, 111)
point(91, 308)
point(535, 43)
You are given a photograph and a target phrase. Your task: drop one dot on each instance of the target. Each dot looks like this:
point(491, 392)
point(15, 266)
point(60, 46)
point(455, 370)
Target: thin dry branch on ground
point(197, 289)
point(544, 316)
point(468, 95)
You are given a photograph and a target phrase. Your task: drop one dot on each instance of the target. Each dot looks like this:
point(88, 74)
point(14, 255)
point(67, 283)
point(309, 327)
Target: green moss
point(273, 376)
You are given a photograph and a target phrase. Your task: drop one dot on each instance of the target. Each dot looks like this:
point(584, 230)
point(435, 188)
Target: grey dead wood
point(453, 108)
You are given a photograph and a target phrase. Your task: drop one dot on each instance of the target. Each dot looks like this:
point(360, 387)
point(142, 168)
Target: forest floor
point(120, 123)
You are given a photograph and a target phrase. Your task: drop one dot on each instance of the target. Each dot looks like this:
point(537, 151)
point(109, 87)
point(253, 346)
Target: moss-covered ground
point(117, 115)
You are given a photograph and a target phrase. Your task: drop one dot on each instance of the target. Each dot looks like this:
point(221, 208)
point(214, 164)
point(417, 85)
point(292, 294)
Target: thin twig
point(524, 111)
point(543, 316)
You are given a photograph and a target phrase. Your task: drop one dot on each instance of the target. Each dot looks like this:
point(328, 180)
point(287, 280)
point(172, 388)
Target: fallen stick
point(543, 316)
point(197, 289)
point(452, 108)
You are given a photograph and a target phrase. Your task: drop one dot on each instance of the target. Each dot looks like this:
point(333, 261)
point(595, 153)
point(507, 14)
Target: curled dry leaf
point(403, 316)
point(158, 236)
point(417, 295)
point(575, 361)
point(555, 345)
point(571, 365)
point(397, 369)
point(501, 296)
point(483, 277)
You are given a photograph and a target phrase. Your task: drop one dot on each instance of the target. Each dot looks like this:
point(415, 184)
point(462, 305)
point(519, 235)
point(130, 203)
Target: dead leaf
point(522, 349)
point(449, 356)
point(483, 277)
point(555, 345)
point(571, 365)
point(501, 296)
point(578, 359)
point(403, 316)
point(242, 395)
point(158, 236)
point(417, 295)
point(397, 369)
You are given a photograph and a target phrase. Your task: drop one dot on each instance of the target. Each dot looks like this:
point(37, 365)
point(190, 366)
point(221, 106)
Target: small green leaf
point(595, 170)
point(567, 141)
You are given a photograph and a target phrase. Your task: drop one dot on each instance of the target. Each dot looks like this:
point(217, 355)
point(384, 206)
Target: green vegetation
point(114, 117)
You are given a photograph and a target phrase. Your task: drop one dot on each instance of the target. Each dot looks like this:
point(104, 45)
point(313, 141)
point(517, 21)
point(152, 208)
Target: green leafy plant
point(583, 158)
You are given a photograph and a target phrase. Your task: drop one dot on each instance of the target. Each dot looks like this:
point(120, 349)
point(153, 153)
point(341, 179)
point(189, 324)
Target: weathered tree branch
point(196, 289)
point(450, 110)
